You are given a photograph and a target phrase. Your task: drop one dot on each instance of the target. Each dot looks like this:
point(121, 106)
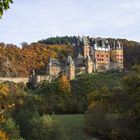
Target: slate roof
point(70, 61)
point(54, 62)
point(89, 58)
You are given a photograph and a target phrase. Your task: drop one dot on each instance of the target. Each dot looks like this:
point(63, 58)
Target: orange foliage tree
point(10, 97)
point(15, 61)
point(64, 84)
point(3, 136)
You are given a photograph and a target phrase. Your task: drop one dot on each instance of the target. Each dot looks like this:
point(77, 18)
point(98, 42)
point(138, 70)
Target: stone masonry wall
point(15, 80)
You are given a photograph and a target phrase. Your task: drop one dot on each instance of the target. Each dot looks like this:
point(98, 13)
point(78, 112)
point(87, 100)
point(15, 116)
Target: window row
point(102, 56)
point(120, 59)
point(119, 55)
point(102, 60)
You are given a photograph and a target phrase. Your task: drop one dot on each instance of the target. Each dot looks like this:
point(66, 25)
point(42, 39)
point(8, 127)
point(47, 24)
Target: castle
point(90, 55)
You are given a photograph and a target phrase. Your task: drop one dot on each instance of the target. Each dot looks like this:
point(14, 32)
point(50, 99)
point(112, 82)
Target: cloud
point(37, 19)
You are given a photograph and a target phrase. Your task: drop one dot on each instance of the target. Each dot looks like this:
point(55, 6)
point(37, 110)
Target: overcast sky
point(32, 20)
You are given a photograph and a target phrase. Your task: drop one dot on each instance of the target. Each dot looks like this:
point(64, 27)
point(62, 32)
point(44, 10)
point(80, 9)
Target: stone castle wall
point(15, 80)
point(40, 78)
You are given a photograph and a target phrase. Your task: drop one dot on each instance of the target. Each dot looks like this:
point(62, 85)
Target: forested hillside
point(15, 61)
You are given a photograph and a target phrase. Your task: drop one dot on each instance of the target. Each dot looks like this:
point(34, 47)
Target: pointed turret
point(119, 45)
point(103, 44)
point(114, 45)
point(70, 61)
point(70, 68)
point(85, 41)
point(86, 46)
point(78, 42)
point(95, 44)
point(89, 59)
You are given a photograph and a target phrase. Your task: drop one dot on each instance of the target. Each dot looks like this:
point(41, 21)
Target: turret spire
point(70, 61)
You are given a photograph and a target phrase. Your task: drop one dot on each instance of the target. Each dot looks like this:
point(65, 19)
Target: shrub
point(45, 128)
point(11, 129)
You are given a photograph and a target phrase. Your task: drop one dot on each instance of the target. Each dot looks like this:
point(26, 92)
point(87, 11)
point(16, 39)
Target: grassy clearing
point(73, 126)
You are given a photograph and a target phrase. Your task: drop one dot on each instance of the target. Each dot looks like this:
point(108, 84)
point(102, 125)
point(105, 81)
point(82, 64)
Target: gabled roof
point(70, 61)
point(85, 40)
point(89, 58)
point(54, 62)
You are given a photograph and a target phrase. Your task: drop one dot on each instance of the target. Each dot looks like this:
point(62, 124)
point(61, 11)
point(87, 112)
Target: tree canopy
point(4, 5)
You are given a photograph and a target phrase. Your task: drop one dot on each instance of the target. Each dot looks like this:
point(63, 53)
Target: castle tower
point(70, 68)
point(89, 65)
point(101, 55)
point(86, 47)
point(117, 54)
point(77, 47)
point(53, 67)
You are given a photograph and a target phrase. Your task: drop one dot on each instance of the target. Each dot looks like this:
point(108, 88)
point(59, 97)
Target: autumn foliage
point(10, 97)
point(64, 84)
point(17, 62)
point(3, 136)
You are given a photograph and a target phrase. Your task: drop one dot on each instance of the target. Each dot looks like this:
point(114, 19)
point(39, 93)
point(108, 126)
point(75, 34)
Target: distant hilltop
point(69, 40)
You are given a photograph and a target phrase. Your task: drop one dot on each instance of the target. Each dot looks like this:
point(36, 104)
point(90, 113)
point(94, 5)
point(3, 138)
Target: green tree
point(11, 129)
point(102, 96)
point(124, 122)
point(4, 5)
point(130, 119)
point(23, 119)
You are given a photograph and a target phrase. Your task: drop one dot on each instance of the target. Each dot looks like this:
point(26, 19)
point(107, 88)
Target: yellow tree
point(64, 84)
point(5, 102)
point(3, 136)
